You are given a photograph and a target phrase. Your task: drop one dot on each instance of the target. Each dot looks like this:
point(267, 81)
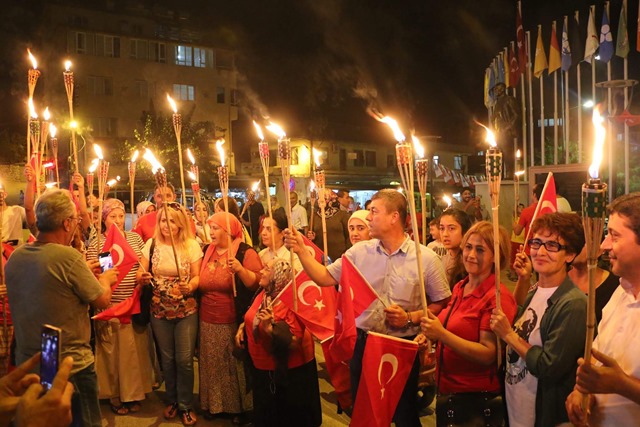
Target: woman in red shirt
point(285, 376)
point(469, 387)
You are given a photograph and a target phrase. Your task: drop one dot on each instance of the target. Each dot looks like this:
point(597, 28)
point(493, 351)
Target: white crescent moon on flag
point(393, 361)
point(304, 286)
point(548, 205)
point(117, 249)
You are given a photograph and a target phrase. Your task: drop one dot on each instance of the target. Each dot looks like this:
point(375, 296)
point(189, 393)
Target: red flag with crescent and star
point(122, 310)
point(548, 203)
point(122, 253)
point(386, 365)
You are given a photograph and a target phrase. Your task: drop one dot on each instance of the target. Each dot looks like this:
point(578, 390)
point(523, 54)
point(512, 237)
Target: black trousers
point(406, 414)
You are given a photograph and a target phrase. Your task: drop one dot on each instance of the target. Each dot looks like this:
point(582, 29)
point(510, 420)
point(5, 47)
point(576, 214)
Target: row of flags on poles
point(564, 53)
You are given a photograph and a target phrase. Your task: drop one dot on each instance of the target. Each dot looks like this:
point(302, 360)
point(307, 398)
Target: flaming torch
point(103, 171)
point(92, 169)
point(177, 127)
point(54, 148)
point(447, 200)
point(34, 132)
point(404, 157)
point(284, 154)
point(194, 174)
point(516, 184)
point(161, 181)
point(67, 74)
point(32, 79)
point(223, 177)
point(313, 195)
point(320, 178)
point(594, 201)
point(132, 179)
point(263, 149)
point(44, 135)
point(422, 169)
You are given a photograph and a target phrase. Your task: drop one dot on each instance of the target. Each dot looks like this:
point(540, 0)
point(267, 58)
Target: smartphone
point(106, 262)
point(50, 359)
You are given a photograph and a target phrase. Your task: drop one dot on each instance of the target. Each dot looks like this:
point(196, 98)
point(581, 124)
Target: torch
point(447, 200)
point(284, 154)
point(132, 179)
point(34, 133)
point(313, 195)
point(44, 135)
point(110, 184)
point(594, 200)
point(516, 184)
point(194, 174)
point(404, 157)
point(161, 181)
point(67, 74)
point(493, 163)
point(263, 149)
point(32, 79)
point(320, 178)
point(177, 127)
point(54, 149)
point(3, 285)
point(422, 169)
point(103, 171)
point(92, 169)
point(223, 177)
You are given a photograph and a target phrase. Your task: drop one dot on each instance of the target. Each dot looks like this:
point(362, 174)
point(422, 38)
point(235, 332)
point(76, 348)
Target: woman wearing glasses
point(222, 383)
point(548, 336)
point(174, 310)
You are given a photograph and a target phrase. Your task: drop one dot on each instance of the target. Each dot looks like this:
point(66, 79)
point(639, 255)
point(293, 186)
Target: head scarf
point(281, 275)
point(109, 205)
point(142, 207)
point(361, 215)
point(220, 219)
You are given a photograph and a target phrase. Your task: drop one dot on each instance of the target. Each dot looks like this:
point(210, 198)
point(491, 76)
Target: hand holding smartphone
point(50, 359)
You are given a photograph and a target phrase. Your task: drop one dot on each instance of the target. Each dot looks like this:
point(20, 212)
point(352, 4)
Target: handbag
point(144, 317)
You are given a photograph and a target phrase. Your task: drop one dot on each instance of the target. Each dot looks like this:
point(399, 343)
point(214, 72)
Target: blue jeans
point(85, 407)
point(176, 340)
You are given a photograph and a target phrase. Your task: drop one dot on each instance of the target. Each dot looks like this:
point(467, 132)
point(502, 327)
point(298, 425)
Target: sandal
point(171, 411)
point(189, 417)
point(134, 406)
point(118, 409)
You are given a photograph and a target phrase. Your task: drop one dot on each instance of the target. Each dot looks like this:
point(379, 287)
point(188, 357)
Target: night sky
point(316, 66)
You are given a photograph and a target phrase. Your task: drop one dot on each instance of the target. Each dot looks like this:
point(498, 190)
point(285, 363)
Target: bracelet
point(410, 323)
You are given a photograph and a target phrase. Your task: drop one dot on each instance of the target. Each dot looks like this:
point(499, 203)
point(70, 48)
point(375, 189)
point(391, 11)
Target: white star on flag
point(319, 305)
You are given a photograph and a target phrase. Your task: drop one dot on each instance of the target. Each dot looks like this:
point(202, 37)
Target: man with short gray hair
point(49, 282)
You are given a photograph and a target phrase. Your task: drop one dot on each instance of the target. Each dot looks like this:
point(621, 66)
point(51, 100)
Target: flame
point(219, 144)
point(397, 133)
point(149, 157)
point(46, 114)
point(67, 65)
point(98, 151)
point(417, 146)
point(52, 130)
point(190, 156)
point(113, 182)
point(33, 60)
point(519, 155)
point(51, 184)
point(174, 107)
point(519, 173)
point(598, 144)
point(135, 156)
point(447, 200)
point(48, 165)
point(32, 109)
point(490, 138)
point(258, 130)
point(277, 130)
point(192, 176)
point(256, 186)
point(316, 157)
point(312, 185)
point(94, 165)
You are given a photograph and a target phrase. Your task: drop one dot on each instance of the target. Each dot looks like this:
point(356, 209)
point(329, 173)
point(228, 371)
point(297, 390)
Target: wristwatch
point(410, 323)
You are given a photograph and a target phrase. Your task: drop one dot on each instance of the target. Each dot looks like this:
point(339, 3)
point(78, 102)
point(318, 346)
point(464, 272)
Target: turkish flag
point(122, 253)
point(123, 310)
point(339, 376)
point(316, 305)
point(514, 68)
point(548, 203)
point(386, 365)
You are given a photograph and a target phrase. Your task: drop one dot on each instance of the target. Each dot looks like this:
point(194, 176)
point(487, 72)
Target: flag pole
point(567, 111)
point(529, 75)
point(523, 106)
point(579, 81)
point(542, 156)
point(626, 103)
point(555, 99)
point(612, 191)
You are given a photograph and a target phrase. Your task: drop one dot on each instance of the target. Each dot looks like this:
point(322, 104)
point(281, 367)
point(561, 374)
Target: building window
point(457, 162)
point(184, 92)
point(220, 95)
point(358, 158)
point(138, 49)
point(370, 159)
point(158, 52)
point(99, 85)
point(81, 43)
point(184, 56)
point(108, 46)
point(141, 89)
point(199, 57)
point(234, 95)
point(295, 159)
point(104, 126)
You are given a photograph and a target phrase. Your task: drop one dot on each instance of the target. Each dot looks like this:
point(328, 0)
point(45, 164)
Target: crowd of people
point(207, 283)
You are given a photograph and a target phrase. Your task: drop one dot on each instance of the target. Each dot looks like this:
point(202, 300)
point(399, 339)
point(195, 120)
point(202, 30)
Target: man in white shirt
point(613, 382)
point(14, 219)
point(298, 214)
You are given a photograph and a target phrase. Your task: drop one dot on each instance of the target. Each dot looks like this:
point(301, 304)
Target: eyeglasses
point(550, 246)
point(175, 206)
